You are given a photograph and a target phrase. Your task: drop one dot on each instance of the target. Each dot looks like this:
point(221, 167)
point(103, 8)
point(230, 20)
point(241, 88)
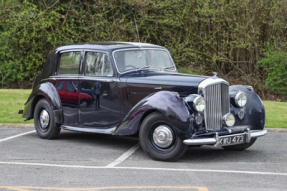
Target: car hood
point(184, 84)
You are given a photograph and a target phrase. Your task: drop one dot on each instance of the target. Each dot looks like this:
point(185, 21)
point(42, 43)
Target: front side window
point(69, 63)
point(140, 58)
point(98, 64)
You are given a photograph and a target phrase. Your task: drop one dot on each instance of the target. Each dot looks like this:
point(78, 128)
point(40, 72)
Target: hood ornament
point(215, 74)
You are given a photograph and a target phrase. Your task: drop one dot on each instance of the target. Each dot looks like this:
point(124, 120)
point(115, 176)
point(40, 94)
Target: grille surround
point(216, 94)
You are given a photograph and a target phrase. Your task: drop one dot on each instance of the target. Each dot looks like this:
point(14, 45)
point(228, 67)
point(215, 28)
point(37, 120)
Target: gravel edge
point(4, 125)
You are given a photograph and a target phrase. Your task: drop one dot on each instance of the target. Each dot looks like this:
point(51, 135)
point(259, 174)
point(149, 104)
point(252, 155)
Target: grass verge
point(276, 114)
point(12, 100)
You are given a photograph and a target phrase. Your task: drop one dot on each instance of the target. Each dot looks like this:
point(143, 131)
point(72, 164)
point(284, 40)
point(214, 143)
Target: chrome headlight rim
point(227, 121)
point(195, 103)
point(237, 97)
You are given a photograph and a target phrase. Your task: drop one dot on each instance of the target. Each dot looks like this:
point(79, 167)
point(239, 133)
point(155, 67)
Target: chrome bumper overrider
point(215, 141)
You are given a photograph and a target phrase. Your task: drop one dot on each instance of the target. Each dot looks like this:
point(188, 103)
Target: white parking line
point(146, 168)
point(15, 136)
point(124, 156)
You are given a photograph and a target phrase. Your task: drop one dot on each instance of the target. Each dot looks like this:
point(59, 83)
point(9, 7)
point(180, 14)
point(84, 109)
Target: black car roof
point(108, 46)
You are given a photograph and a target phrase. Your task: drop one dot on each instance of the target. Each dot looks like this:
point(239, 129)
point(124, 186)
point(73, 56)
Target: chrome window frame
point(113, 53)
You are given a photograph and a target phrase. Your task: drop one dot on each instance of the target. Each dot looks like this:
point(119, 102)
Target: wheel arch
point(44, 91)
point(168, 104)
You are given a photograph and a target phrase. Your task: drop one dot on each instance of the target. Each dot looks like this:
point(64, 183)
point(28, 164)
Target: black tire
point(52, 130)
point(172, 152)
point(241, 146)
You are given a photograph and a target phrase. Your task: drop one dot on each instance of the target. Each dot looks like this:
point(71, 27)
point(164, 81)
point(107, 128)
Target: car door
point(67, 75)
point(99, 95)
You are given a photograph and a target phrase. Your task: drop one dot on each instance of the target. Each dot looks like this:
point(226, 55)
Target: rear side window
point(69, 63)
point(98, 64)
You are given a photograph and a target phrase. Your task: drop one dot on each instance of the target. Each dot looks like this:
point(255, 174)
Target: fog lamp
point(229, 119)
point(198, 119)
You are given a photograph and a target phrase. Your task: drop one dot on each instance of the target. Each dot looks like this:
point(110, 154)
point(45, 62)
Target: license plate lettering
point(231, 140)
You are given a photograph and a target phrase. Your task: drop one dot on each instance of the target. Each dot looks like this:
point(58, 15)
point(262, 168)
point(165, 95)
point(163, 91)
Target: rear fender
point(165, 102)
point(48, 91)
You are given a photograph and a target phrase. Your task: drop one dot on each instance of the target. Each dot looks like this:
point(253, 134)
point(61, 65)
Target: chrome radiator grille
point(217, 105)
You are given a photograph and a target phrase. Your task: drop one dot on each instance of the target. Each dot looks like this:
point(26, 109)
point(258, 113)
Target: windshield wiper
point(147, 67)
point(141, 68)
point(168, 67)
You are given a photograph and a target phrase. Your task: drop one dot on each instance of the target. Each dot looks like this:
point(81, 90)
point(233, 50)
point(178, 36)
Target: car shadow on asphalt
point(97, 139)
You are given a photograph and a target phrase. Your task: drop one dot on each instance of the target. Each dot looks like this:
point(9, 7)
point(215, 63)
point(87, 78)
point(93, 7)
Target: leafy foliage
point(275, 64)
point(226, 36)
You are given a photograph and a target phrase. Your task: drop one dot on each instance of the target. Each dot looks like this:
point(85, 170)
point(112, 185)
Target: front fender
point(165, 102)
point(48, 91)
point(254, 109)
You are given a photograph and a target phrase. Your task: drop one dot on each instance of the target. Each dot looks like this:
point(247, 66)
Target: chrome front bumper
point(215, 140)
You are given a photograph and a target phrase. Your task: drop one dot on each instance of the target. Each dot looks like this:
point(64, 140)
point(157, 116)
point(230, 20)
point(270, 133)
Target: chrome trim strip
point(97, 79)
point(110, 79)
point(162, 49)
point(89, 130)
point(214, 141)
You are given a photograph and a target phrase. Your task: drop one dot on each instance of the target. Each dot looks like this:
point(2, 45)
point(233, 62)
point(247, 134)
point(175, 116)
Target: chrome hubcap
point(44, 119)
point(162, 136)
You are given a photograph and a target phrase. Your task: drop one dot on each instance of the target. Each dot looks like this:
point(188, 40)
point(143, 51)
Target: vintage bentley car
point(126, 89)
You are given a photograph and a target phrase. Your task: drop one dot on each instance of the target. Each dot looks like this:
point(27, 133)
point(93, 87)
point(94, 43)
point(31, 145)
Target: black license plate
point(232, 140)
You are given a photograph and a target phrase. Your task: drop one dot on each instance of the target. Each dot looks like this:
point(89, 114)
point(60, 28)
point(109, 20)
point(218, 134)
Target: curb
point(7, 125)
point(276, 130)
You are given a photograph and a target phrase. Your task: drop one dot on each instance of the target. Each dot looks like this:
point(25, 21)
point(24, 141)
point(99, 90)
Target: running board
point(89, 130)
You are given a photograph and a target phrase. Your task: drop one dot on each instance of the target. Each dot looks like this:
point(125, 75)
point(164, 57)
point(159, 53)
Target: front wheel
point(44, 121)
point(158, 139)
point(241, 146)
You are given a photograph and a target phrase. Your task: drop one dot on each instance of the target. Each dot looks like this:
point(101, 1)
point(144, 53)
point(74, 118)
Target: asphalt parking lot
point(81, 161)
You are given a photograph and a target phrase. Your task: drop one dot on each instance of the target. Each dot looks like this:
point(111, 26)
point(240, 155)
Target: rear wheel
point(241, 146)
point(158, 139)
point(44, 121)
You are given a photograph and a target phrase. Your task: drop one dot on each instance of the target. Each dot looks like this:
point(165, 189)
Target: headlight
point(229, 119)
point(240, 99)
point(199, 104)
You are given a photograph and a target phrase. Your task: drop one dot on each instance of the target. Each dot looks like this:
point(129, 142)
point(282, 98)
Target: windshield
point(139, 59)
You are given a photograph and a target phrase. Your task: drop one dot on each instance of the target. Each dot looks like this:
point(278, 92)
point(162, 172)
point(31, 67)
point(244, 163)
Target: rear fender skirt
point(165, 102)
point(48, 91)
point(254, 111)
